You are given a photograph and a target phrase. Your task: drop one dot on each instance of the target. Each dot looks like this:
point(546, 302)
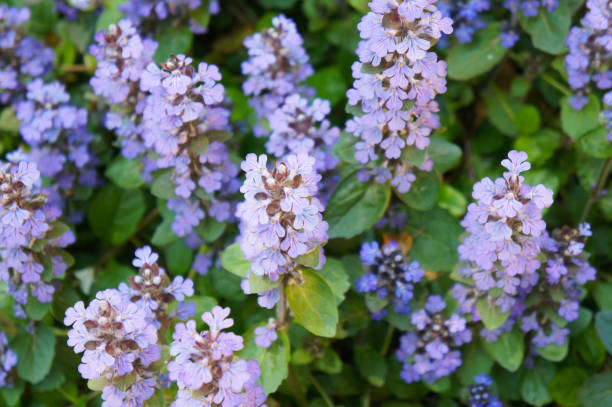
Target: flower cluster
point(429, 352)
point(466, 16)
point(152, 290)
point(32, 238)
point(122, 56)
point(590, 56)
point(147, 13)
point(276, 68)
point(8, 360)
point(389, 275)
point(504, 228)
point(300, 127)
point(396, 82)
point(281, 216)
point(207, 371)
point(182, 118)
point(57, 135)
point(554, 300)
point(116, 339)
point(21, 57)
point(480, 393)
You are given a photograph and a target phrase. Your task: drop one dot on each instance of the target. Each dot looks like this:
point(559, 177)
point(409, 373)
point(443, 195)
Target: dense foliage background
point(334, 353)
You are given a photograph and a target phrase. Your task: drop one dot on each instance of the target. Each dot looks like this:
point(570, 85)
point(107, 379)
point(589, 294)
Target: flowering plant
point(311, 203)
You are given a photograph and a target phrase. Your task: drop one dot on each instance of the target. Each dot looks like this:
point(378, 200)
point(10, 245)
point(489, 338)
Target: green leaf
point(114, 213)
point(554, 352)
point(158, 399)
point(478, 359)
point(549, 30)
point(311, 258)
point(490, 314)
point(444, 154)
point(35, 309)
point(210, 229)
point(280, 4)
point(232, 260)
point(34, 352)
point(162, 185)
point(201, 15)
point(578, 122)
point(436, 238)
point(54, 379)
point(356, 206)
point(466, 61)
point(541, 146)
point(452, 200)
point(329, 363)
point(590, 348)
point(258, 284)
point(335, 276)
point(603, 325)
point(110, 14)
point(11, 395)
point(527, 119)
point(163, 234)
point(597, 391)
point(313, 303)
point(503, 109)
point(329, 84)
point(344, 149)
point(423, 193)
point(360, 5)
point(179, 257)
point(603, 295)
point(535, 385)
point(508, 350)
point(273, 361)
point(98, 384)
point(596, 144)
point(566, 384)
point(173, 39)
point(125, 173)
point(371, 364)
point(112, 275)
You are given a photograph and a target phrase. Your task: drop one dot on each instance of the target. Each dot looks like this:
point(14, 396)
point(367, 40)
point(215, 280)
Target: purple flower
point(281, 216)
point(22, 57)
point(428, 353)
point(8, 360)
point(389, 276)
point(504, 227)
point(589, 44)
point(207, 358)
point(480, 393)
point(26, 218)
point(396, 81)
point(276, 68)
point(266, 335)
point(181, 119)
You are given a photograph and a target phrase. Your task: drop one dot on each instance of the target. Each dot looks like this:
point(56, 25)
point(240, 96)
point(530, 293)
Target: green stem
point(321, 390)
point(282, 311)
point(601, 182)
point(388, 339)
point(60, 332)
point(297, 388)
point(556, 84)
point(67, 396)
